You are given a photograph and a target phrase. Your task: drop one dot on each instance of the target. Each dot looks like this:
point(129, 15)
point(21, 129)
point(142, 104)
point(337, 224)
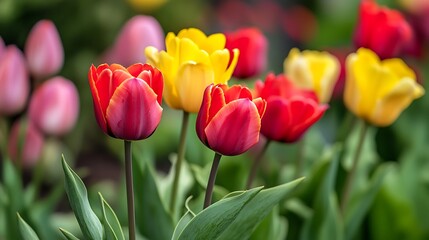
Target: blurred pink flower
point(54, 106)
point(44, 50)
point(14, 81)
point(32, 143)
point(137, 34)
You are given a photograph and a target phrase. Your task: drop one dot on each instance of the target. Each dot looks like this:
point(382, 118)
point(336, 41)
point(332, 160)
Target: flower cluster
point(53, 106)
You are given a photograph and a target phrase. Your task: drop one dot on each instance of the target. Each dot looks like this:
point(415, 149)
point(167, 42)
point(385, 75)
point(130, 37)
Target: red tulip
point(383, 30)
point(290, 110)
point(54, 106)
point(253, 51)
point(32, 143)
point(229, 119)
point(127, 101)
point(44, 50)
point(14, 81)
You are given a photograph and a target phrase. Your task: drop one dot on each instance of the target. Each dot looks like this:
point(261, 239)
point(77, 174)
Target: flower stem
point(180, 156)
point(130, 191)
point(351, 175)
point(255, 165)
point(212, 179)
point(300, 159)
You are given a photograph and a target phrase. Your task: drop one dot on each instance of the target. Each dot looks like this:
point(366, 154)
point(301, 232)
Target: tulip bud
point(378, 91)
point(383, 30)
point(54, 106)
point(127, 101)
point(14, 81)
point(253, 48)
point(44, 50)
point(291, 111)
point(26, 143)
point(229, 120)
point(137, 34)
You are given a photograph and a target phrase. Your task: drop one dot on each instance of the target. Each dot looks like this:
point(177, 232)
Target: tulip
point(191, 62)
point(127, 101)
point(313, 70)
point(252, 45)
point(378, 91)
point(229, 120)
point(383, 30)
point(26, 143)
point(290, 111)
point(14, 81)
point(138, 33)
point(54, 106)
point(44, 50)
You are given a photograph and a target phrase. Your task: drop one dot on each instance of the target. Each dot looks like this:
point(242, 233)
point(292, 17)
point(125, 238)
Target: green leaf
point(212, 221)
point(153, 221)
point(27, 233)
point(186, 218)
point(89, 223)
point(68, 235)
point(273, 227)
point(360, 204)
point(325, 222)
point(112, 227)
point(256, 210)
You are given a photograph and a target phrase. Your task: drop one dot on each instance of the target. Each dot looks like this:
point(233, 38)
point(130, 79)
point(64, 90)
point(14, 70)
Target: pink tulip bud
point(137, 34)
point(26, 143)
point(44, 50)
point(14, 81)
point(54, 106)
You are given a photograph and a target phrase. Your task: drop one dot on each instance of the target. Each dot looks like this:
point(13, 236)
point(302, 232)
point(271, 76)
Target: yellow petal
point(298, 70)
point(388, 108)
point(219, 61)
point(224, 78)
point(192, 79)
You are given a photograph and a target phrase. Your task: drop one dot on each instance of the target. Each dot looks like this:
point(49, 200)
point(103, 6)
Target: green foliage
point(27, 233)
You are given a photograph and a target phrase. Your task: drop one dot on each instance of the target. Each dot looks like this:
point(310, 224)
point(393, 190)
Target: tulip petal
point(192, 79)
point(276, 122)
point(133, 111)
point(203, 114)
point(235, 92)
point(388, 108)
point(98, 109)
point(235, 128)
point(155, 80)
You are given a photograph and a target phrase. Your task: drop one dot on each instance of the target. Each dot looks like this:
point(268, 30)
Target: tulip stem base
point(351, 175)
point(180, 157)
point(255, 165)
point(212, 179)
point(130, 190)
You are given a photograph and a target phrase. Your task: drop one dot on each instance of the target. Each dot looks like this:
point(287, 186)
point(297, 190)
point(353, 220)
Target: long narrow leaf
point(112, 227)
point(89, 223)
point(27, 233)
point(68, 235)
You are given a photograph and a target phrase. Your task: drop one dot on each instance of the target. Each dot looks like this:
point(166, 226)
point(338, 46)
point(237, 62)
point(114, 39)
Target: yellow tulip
point(313, 70)
point(378, 91)
point(191, 62)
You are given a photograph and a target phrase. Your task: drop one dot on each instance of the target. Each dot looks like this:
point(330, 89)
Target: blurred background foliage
point(88, 28)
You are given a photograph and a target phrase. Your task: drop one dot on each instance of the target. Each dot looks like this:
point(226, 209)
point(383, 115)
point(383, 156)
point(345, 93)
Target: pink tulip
point(138, 33)
point(14, 81)
point(44, 50)
point(127, 101)
point(32, 143)
point(54, 106)
point(229, 119)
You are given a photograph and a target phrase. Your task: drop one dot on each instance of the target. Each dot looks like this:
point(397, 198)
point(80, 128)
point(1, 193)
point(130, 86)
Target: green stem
point(346, 125)
point(130, 191)
point(212, 179)
point(300, 159)
point(255, 165)
point(180, 157)
point(351, 175)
